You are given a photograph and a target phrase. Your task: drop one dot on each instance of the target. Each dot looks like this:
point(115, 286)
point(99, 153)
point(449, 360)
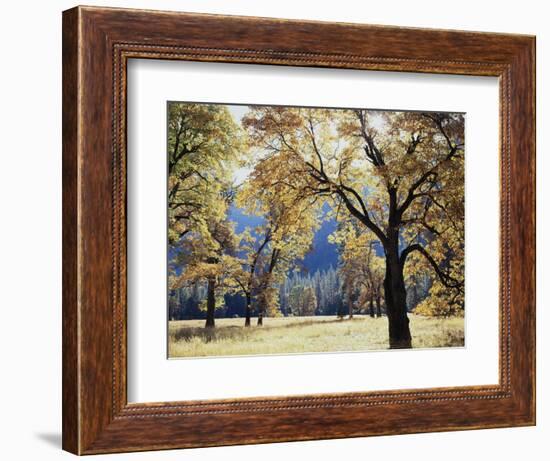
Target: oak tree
point(398, 174)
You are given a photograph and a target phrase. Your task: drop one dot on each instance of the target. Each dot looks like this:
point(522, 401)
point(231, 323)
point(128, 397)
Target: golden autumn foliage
point(400, 175)
point(393, 182)
point(361, 268)
point(282, 240)
point(204, 146)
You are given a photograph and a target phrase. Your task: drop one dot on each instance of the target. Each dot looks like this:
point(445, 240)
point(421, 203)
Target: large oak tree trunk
point(349, 302)
point(260, 317)
point(210, 303)
point(396, 298)
point(261, 310)
point(371, 306)
point(378, 306)
point(248, 311)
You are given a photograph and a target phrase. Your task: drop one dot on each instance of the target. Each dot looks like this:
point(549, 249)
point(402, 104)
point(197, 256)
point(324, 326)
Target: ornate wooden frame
point(97, 43)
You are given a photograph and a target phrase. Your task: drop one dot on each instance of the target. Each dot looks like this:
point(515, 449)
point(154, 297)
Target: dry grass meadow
point(286, 335)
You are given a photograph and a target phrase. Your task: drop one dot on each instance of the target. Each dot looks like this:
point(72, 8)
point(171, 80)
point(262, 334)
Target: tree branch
point(446, 279)
point(364, 218)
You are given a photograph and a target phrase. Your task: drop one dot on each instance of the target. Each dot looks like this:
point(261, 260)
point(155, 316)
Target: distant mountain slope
point(323, 255)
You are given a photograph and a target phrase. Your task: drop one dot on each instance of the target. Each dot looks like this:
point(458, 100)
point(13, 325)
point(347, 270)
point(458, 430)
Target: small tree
point(310, 302)
point(282, 239)
point(362, 270)
point(211, 262)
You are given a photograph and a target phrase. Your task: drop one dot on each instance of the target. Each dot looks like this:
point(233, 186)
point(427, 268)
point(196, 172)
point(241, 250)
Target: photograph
point(310, 229)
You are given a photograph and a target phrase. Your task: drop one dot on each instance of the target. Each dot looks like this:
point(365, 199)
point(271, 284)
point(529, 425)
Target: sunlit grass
point(284, 335)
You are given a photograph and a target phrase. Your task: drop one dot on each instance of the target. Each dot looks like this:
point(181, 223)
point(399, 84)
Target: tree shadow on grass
point(234, 332)
point(210, 334)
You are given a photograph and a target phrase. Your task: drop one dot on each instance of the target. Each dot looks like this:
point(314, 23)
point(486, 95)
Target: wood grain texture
point(97, 42)
point(70, 384)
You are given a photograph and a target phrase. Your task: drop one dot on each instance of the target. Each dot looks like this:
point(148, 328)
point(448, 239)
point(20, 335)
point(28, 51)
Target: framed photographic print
point(284, 230)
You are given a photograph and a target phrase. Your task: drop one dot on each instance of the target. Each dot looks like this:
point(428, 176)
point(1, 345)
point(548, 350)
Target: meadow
point(285, 335)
